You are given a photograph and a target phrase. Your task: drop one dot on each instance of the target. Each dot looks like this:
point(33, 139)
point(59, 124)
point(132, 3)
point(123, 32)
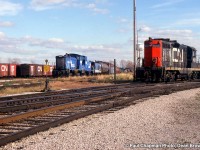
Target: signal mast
point(134, 40)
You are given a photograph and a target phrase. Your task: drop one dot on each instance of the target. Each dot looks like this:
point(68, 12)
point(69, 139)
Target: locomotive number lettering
point(152, 45)
point(156, 45)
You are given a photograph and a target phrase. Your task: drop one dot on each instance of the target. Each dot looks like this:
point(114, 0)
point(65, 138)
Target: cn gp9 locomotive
point(166, 60)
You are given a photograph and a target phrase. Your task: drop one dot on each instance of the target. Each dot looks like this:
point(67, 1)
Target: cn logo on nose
point(4, 68)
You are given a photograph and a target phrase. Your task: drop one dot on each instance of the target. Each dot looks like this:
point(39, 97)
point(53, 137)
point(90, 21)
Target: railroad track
point(25, 102)
point(18, 125)
point(16, 85)
point(61, 92)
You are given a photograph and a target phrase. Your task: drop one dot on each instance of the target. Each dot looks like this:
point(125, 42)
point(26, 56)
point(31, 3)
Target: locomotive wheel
point(154, 78)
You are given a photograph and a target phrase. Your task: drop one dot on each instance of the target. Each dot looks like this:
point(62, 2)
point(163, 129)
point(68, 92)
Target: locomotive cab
point(152, 68)
point(153, 53)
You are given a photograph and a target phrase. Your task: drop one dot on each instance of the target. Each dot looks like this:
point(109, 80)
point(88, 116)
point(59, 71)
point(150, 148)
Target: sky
point(34, 30)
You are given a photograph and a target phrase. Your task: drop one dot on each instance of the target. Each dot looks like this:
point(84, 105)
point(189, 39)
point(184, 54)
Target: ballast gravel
point(169, 119)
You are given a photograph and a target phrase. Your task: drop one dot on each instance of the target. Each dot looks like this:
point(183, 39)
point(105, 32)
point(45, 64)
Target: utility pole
point(134, 40)
point(138, 49)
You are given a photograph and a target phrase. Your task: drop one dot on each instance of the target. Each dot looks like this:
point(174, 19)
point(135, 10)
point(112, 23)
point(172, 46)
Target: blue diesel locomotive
point(75, 64)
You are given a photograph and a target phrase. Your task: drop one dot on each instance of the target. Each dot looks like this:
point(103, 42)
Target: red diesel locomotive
point(165, 59)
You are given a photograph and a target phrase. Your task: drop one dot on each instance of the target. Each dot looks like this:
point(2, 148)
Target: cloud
point(174, 32)
point(93, 7)
point(39, 5)
point(129, 28)
point(6, 24)
point(101, 48)
point(58, 43)
point(123, 30)
point(167, 3)
point(21, 48)
point(13, 45)
point(189, 22)
point(144, 28)
point(2, 35)
point(183, 36)
point(29, 49)
point(56, 40)
point(9, 8)
point(123, 20)
point(52, 43)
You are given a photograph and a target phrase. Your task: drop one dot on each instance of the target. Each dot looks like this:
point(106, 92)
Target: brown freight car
point(38, 70)
point(49, 73)
point(12, 70)
point(3, 70)
point(28, 70)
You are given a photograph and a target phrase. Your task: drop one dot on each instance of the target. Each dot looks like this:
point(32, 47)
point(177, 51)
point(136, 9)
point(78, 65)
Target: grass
point(9, 91)
point(64, 83)
point(98, 78)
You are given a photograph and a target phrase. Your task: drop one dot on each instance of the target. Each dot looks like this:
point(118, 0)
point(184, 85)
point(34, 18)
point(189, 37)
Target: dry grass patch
point(64, 83)
point(10, 91)
point(58, 85)
point(98, 78)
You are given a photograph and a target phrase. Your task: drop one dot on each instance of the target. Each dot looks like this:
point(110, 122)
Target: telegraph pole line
point(134, 40)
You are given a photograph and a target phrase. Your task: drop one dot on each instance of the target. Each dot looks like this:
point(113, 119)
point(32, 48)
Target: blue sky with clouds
point(33, 30)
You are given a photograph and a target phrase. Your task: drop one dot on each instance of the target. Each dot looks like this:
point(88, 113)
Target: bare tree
point(129, 65)
point(123, 63)
point(32, 62)
point(14, 60)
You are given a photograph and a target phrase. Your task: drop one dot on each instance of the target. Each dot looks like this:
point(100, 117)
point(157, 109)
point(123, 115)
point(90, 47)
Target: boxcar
point(12, 70)
point(38, 70)
point(49, 73)
point(4, 70)
point(105, 68)
point(28, 70)
point(97, 68)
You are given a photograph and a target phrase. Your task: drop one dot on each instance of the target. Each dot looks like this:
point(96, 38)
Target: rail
point(20, 125)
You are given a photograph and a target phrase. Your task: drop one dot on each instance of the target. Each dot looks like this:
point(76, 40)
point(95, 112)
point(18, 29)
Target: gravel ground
point(169, 119)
